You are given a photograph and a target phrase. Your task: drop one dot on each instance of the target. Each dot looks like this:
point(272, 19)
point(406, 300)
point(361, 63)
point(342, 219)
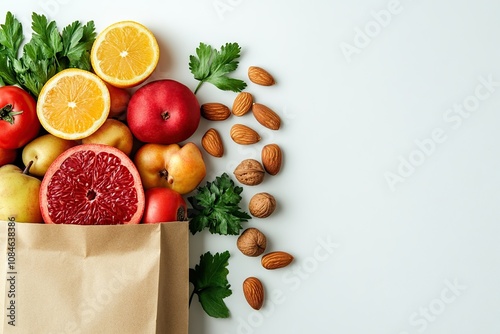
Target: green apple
point(43, 151)
point(19, 195)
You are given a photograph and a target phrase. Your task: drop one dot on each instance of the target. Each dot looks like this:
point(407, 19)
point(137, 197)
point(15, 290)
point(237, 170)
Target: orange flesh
point(73, 106)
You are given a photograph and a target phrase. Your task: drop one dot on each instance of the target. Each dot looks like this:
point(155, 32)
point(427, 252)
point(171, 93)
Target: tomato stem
point(7, 113)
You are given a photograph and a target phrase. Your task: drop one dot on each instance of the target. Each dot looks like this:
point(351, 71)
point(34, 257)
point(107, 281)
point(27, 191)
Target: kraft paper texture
point(68, 279)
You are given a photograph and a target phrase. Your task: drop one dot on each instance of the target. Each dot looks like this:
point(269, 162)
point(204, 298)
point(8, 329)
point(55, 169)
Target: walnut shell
point(262, 205)
point(249, 172)
point(252, 242)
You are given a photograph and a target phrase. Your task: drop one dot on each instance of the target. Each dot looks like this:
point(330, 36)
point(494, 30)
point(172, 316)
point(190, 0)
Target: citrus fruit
point(125, 54)
point(92, 184)
point(73, 104)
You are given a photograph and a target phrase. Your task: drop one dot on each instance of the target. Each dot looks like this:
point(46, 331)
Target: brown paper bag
point(67, 279)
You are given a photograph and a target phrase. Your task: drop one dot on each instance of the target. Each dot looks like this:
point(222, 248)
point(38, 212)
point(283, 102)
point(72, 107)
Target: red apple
point(164, 205)
point(163, 112)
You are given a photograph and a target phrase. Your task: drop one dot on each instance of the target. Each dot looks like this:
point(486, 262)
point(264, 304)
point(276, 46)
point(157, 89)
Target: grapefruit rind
point(70, 203)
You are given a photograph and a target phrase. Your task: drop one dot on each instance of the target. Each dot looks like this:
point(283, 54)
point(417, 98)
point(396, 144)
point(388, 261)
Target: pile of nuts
point(252, 242)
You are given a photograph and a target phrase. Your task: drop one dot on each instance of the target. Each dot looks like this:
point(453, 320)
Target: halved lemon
point(73, 104)
point(125, 54)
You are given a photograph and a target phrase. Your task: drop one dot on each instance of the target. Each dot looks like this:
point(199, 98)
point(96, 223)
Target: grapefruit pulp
point(92, 184)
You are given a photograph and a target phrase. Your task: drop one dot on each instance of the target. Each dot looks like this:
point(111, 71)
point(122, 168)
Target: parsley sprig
point(48, 52)
point(211, 65)
point(209, 279)
point(216, 206)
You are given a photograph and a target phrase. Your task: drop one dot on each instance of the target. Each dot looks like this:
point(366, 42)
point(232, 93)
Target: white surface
point(393, 253)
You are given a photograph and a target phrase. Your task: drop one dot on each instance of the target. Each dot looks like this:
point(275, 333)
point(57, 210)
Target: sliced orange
point(73, 104)
point(125, 54)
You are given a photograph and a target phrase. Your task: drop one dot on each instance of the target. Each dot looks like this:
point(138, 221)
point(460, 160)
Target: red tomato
point(7, 156)
point(18, 120)
point(164, 205)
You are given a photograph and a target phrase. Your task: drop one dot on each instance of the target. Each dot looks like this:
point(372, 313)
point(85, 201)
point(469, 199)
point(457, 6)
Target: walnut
point(252, 242)
point(249, 172)
point(262, 205)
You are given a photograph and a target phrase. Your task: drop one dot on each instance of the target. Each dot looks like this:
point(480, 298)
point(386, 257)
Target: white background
point(365, 89)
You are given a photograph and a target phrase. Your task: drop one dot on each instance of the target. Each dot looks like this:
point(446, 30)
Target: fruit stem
point(26, 170)
point(163, 174)
point(165, 115)
point(7, 114)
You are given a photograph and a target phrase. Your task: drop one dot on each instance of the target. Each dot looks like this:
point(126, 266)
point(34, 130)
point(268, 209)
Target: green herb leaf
point(46, 36)
point(216, 207)
point(209, 279)
point(71, 36)
point(47, 53)
point(77, 41)
point(200, 67)
point(11, 36)
point(7, 73)
point(210, 65)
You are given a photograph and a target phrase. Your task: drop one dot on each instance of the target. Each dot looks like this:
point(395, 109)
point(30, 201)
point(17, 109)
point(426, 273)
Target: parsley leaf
point(11, 36)
point(47, 53)
point(216, 207)
point(46, 36)
point(209, 279)
point(77, 41)
point(211, 65)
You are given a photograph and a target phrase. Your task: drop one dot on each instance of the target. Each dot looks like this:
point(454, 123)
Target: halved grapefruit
point(92, 184)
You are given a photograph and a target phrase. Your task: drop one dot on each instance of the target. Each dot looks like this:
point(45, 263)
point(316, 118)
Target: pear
point(43, 151)
point(180, 168)
point(19, 195)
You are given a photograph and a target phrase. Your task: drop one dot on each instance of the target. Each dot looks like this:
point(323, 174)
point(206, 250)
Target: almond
point(266, 116)
point(215, 111)
point(244, 135)
point(242, 103)
point(276, 260)
point(254, 292)
point(271, 158)
point(212, 143)
point(260, 76)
